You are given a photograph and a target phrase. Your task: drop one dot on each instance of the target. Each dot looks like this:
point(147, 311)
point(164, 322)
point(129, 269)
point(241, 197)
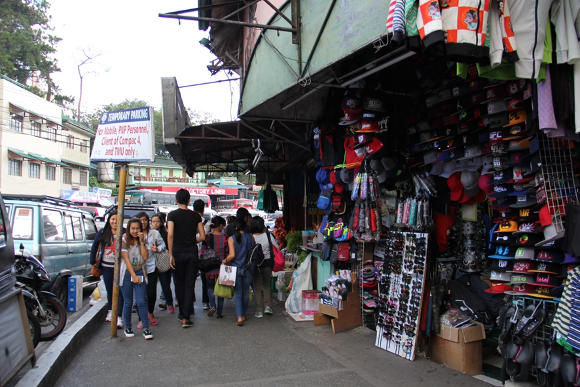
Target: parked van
point(58, 233)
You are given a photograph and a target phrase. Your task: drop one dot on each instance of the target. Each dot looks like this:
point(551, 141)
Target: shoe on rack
point(268, 310)
point(147, 334)
point(163, 305)
point(205, 306)
point(129, 332)
point(170, 309)
point(211, 312)
point(259, 315)
point(109, 316)
point(186, 324)
point(140, 325)
point(119, 322)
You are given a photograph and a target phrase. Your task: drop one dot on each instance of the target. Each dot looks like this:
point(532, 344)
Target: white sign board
point(125, 135)
point(103, 192)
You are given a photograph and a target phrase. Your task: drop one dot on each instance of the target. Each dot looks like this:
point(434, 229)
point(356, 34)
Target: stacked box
point(75, 293)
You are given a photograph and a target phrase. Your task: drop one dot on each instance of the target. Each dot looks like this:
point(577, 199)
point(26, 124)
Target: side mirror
point(22, 247)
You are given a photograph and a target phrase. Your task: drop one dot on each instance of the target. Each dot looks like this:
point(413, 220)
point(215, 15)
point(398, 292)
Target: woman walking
point(263, 275)
point(239, 244)
point(218, 242)
point(158, 223)
point(103, 249)
point(133, 276)
point(153, 242)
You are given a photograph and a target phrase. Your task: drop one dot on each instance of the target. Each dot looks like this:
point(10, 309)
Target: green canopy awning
point(47, 159)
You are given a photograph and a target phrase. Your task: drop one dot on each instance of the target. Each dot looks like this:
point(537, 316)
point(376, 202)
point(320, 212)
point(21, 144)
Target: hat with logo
point(502, 265)
point(552, 245)
point(352, 101)
point(502, 176)
point(506, 238)
point(487, 163)
point(520, 289)
point(498, 120)
point(523, 266)
point(516, 159)
point(503, 252)
point(519, 278)
point(448, 169)
point(518, 145)
point(468, 164)
point(503, 203)
point(547, 267)
point(369, 123)
point(526, 240)
point(373, 104)
point(501, 190)
point(504, 216)
point(518, 175)
point(533, 150)
point(527, 227)
point(484, 181)
point(551, 234)
point(500, 276)
point(547, 279)
point(508, 226)
point(500, 162)
point(523, 188)
point(498, 288)
point(497, 106)
point(517, 117)
point(525, 253)
point(553, 256)
point(524, 201)
point(526, 215)
point(517, 131)
point(542, 292)
point(496, 92)
point(535, 166)
point(515, 87)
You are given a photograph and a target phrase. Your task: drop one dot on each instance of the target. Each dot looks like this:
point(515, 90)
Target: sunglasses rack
point(401, 288)
point(556, 179)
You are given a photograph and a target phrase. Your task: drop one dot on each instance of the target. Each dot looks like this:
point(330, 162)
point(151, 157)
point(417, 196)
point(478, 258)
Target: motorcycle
point(45, 306)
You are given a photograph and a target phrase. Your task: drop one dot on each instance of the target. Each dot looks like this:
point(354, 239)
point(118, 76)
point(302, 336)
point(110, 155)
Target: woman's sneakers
point(109, 316)
point(268, 310)
point(186, 323)
point(119, 322)
point(170, 309)
point(129, 332)
point(259, 315)
point(147, 334)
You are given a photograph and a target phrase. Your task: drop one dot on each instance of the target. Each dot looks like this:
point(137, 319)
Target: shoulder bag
point(96, 270)
point(210, 259)
point(162, 260)
point(255, 256)
point(276, 255)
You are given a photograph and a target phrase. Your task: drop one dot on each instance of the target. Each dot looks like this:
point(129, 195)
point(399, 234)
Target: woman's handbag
point(162, 260)
point(276, 255)
point(210, 259)
point(227, 275)
point(223, 291)
point(96, 268)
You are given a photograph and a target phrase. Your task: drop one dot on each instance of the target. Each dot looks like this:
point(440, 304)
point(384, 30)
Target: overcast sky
point(138, 48)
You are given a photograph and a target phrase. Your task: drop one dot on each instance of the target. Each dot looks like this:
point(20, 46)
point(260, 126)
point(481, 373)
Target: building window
point(16, 122)
point(136, 171)
point(83, 179)
point(51, 134)
point(50, 173)
point(70, 143)
point(34, 171)
point(66, 176)
point(158, 172)
point(14, 167)
point(84, 146)
point(35, 129)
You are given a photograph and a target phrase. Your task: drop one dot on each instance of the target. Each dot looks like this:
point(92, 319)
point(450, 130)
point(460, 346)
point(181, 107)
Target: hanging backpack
point(276, 255)
point(326, 250)
point(338, 205)
point(343, 252)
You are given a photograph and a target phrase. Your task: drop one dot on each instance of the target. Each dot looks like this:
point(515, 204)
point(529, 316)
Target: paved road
point(272, 351)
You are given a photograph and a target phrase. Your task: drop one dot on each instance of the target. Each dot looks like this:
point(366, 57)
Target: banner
point(125, 135)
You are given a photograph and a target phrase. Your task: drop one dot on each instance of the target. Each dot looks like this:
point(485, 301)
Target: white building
point(41, 150)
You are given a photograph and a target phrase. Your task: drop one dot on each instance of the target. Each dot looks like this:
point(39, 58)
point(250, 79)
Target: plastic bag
point(301, 280)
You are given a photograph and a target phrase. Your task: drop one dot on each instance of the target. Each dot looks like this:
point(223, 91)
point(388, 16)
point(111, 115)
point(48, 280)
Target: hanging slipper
point(541, 355)
point(532, 318)
point(524, 358)
point(568, 369)
point(554, 354)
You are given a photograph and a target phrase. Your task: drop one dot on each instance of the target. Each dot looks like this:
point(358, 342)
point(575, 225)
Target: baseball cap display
point(526, 240)
point(549, 256)
point(524, 201)
point(508, 226)
point(542, 292)
point(528, 227)
point(522, 278)
point(502, 265)
point(523, 266)
point(503, 276)
point(525, 253)
point(498, 288)
point(503, 252)
point(547, 267)
point(520, 289)
point(547, 279)
point(503, 239)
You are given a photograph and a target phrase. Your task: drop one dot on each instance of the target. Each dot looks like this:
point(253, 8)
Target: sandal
point(153, 321)
point(240, 322)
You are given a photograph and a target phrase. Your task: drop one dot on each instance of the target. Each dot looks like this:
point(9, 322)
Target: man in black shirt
point(182, 227)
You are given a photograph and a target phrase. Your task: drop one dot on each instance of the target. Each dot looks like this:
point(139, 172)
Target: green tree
point(26, 42)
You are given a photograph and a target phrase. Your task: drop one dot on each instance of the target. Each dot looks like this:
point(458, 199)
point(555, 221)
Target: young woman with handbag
point(239, 245)
point(263, 276)
point(133, 276)
point(154, 243)
point(158, 223)
point(218, 242)
point(102, 258)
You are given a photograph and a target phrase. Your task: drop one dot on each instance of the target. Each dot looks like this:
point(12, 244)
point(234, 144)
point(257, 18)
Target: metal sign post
point(120, 216)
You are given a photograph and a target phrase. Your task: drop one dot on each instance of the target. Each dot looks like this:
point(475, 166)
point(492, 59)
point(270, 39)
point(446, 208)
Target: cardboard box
point(75, 293)
point(459, 348)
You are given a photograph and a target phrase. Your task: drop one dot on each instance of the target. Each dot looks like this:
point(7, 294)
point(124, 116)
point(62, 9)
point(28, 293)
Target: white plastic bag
point(99, 292)
point(227, 275)
point(301, 280)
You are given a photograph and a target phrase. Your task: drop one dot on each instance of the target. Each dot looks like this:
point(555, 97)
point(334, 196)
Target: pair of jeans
point(108, 277)
point(204, 289)
point(220, 300)
point(165, 281)
point(242, 291)
point(140, 298)
point(262, 281)
point(185, 274)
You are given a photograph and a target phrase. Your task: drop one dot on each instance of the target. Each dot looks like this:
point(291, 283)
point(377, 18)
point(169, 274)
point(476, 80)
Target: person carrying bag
point(217, 246)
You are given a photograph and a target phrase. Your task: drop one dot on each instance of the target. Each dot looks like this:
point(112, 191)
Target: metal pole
point(120, 215)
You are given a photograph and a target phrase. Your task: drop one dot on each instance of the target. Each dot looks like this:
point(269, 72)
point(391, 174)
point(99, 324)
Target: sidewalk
point(273, 350)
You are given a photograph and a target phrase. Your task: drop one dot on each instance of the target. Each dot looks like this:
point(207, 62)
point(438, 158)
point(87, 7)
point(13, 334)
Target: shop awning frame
point(33, 116)
point(69, 163)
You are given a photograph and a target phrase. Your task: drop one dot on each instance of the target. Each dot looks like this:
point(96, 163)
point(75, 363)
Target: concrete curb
point(50, 366)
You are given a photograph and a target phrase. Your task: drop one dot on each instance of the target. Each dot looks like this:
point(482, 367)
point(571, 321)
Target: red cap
point(484, 183)
point(481, 196)
point(498, 287)
point(545, 218)
point(443, 225)
point(455, 185)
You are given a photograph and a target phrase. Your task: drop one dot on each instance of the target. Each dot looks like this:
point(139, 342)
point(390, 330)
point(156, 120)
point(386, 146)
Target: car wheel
point(61, 291)
point(34, 327)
